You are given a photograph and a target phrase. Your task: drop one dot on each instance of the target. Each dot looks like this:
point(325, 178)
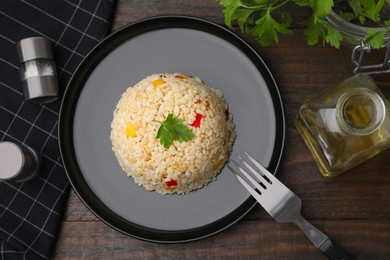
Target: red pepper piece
point(171, 183)
point(182, 76)
point(197, 121)
point(207, 105)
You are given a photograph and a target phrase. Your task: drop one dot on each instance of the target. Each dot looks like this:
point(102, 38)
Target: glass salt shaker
point(18, 162)
point(345, 125)
point(37, 70)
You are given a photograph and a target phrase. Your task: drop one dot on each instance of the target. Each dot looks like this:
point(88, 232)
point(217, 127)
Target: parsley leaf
point(173, 129)
point(321, 9)
point(375, 37)
point(333, 37)
point(261, 18)
point(266, 20)
point(314, 32)
point(230, 8)
point(267, 28)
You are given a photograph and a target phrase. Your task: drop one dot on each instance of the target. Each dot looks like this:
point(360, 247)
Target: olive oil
point(346, 125)
point(359, 112)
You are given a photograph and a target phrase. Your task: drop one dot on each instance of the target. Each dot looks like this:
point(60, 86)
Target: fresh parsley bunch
point(266, 19)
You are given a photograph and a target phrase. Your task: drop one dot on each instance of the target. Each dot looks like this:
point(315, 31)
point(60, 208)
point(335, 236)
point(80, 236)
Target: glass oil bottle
point(345, 125)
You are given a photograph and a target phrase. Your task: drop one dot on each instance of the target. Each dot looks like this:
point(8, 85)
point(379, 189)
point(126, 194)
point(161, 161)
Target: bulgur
point(184, 166)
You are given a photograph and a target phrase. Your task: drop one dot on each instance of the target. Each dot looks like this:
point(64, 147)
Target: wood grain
point(353, 208)
point(246, 240)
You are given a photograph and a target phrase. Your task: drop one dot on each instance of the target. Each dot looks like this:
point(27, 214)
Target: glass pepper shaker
point(345, 125)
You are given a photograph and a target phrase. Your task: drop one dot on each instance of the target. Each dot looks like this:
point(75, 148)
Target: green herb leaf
point(261, 18)
point(244, 19)
point(173, 129)
point(230, 9)
point(321, 9)
point(267, 29)
point(266, 20)
point(314, 32)
point(375, 38)
point(333, 37)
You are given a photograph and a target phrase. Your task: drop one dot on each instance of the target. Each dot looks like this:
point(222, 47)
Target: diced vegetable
point(207, 104)
point(182, 76)
point(131, 130)
point(171, 183)
point(198, 120)
point(157, 83)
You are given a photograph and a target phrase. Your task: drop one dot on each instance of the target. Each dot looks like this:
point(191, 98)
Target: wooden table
point(353, 208)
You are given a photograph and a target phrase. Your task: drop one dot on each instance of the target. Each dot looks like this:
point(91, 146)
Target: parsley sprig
point(266, 19)
point(173, 129)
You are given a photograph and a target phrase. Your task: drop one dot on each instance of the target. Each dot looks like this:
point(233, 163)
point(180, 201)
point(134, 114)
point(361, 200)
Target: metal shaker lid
point(11, 160)
point(34, 48)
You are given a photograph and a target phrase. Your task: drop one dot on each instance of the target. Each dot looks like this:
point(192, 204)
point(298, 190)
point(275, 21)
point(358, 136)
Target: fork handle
point(322, 241)
point(334, 252)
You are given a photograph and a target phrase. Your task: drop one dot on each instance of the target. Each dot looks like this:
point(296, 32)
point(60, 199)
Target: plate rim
point(68, 108)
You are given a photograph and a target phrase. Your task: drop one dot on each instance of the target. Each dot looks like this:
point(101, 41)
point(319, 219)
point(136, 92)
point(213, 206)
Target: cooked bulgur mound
point(169, 163)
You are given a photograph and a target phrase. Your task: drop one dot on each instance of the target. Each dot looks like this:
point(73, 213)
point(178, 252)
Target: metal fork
point(281, 203)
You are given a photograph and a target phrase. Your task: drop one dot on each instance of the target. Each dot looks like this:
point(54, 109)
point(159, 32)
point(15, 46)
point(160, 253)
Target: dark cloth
point(30, 212)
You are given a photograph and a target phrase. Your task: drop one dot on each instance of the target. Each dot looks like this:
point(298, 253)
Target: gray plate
point(165, 45)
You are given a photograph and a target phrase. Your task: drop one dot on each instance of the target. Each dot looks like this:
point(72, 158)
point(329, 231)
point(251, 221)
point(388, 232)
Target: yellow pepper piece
point(158, 82)
point(131, 130)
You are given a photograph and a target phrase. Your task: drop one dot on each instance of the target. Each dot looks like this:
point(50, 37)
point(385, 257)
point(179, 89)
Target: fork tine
point(247, 176)
point(259, 176)
point(267, 174)
point(252, 191)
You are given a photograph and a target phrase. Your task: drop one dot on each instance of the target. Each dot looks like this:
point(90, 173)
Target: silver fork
point(281, 203)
